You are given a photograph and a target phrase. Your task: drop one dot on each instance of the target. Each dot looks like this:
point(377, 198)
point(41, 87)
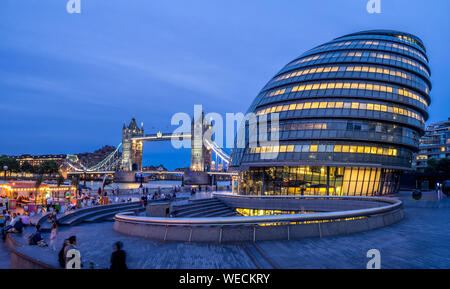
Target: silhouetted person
point(72, 245)
point(118, 257)
point(61, 257)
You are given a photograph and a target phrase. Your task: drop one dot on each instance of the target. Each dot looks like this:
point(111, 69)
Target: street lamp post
point(5, 168)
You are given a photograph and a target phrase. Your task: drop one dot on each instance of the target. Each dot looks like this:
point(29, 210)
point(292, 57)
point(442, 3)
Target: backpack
point(61, 259)
point(31, 240)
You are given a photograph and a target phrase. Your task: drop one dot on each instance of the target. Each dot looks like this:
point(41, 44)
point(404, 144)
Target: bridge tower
point(200, 154)
point(132, 149)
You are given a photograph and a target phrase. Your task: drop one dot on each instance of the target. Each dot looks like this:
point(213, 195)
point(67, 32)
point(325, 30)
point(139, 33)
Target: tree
point(48, 167)
point(27, 168)
point(444, 165)
point(435, 166)
point(37, 185)
point(60, 180)
point(76, 182)
point(432, 166)
point(12, 164)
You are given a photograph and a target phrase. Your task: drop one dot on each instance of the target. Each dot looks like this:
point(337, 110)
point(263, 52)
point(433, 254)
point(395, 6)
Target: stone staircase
point(211, 207)
point(90, 214)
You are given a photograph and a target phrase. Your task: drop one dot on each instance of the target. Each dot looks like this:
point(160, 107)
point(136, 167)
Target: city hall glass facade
point(351, 112)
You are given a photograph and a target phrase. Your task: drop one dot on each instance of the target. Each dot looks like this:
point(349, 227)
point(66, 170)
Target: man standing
point(72, 254)
point(118, 257)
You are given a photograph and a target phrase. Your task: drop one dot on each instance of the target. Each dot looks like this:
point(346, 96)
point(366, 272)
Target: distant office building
point(159, 168)
point(351, 114)
point(38, 160)
point(435, 144)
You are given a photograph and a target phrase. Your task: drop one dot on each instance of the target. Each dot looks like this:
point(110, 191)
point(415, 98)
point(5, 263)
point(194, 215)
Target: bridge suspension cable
point(219, 152)
point(110, 161)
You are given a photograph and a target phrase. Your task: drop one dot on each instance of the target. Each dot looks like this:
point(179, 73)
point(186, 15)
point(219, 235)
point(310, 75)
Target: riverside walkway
point(420, 240)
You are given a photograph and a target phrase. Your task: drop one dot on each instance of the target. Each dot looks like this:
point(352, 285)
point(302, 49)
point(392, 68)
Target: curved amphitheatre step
point(191, 211)
point(204, 213)
point(80, 217)
point(108, 215)
point(197, 203)
point(224, 213)
point(90, 211)
point(204, 208)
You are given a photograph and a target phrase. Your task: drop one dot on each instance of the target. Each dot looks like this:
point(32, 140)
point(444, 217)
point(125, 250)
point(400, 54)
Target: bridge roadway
point(154, 172)
point(162, 137)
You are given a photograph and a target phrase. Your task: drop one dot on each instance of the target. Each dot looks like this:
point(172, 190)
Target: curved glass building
point(351, 112)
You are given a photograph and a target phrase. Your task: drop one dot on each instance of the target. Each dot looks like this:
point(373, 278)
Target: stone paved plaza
point(4, 256)
point(418, 241)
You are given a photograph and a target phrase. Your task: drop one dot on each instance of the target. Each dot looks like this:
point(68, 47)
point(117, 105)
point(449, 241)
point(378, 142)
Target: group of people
point(4, 203)
point(13, 223)
point(157, 196)
point(69, 257)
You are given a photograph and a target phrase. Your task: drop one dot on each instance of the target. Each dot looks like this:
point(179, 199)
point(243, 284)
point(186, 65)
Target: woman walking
point(53, 234)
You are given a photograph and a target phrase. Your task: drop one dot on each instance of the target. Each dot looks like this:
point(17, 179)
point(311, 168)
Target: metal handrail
point(393, 204)
point(360, 198)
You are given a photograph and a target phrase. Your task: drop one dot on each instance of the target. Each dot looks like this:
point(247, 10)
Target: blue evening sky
point(68, 81)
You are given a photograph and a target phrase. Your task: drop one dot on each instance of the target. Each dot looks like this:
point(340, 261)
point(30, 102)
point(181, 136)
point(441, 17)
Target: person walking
point(53, 234)
point(118, 257)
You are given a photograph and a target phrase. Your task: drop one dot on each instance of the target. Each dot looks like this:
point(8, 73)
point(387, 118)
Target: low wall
point(251, 229)
point(21, 260)
point(299, 203)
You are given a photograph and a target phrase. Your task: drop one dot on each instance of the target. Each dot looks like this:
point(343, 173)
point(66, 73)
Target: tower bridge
point(129, 161)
